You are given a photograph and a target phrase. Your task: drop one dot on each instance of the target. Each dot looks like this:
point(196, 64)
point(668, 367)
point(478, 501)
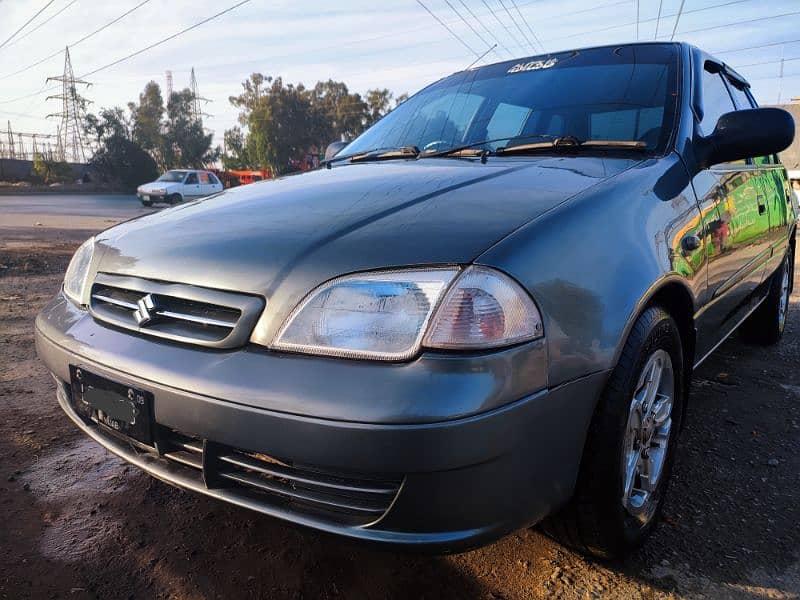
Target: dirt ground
point(75, 522)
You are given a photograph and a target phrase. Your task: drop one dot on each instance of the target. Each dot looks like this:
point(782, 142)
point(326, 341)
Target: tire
point(174, 199)
point(767, 323)
point(147, 203)
point(601, 519)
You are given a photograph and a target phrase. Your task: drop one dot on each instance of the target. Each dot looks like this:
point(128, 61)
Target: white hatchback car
point(175, 186)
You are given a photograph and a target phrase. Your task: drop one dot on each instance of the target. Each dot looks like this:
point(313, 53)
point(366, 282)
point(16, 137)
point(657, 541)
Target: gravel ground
point(76, 522)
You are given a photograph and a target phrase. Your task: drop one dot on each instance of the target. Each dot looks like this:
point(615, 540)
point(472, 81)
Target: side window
point(716, 101)
point(191, 179)
point(204, 179)
point(740, 96)
point(507, 121)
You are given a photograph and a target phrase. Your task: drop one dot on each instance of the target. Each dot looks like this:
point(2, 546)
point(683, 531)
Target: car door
point(773, 188)
point(736, 222)
point(191, 186)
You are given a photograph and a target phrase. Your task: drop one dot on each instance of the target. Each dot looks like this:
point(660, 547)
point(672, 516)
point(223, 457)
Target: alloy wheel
point(647, 435)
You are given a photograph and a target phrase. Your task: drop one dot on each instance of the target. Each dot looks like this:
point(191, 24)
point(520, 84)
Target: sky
point(365, 43)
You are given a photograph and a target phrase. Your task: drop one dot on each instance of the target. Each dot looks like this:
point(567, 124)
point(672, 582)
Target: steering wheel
point(430, 145)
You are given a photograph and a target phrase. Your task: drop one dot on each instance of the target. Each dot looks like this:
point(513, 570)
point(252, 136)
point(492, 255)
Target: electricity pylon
point(197, 110)
point(72, 146)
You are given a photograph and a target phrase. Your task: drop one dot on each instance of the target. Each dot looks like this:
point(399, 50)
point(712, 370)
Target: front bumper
point(152, 197)
point(467, 479)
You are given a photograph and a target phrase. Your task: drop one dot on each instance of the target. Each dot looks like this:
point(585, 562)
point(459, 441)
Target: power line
point(503, 25)
point(133, 54)
point(443, 24)
point(767, 62)
point(486, 29)
point(514, 21)
point(731, 50)
point(453, 8)
point(166, 39)
point(677, 18)
point(621, 25)
point(745, 22)
point(40, 11)
point(658, 20)
point(43, 23)
point(83, 39)
point(527, 24)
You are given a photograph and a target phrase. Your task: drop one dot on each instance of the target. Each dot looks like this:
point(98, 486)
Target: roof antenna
point(480, 57)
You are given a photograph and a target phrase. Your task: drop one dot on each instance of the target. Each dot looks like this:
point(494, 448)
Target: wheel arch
point(674, 296)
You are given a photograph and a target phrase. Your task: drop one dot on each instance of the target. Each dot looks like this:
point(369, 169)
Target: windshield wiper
point(376, 154)
point(474, 150)
point(389, 154)
point(569, 142)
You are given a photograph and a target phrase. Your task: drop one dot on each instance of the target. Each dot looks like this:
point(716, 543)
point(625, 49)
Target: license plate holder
point(124, 409)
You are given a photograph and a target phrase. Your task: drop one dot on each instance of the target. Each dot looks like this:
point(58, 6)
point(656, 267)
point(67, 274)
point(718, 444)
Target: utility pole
point(11, 153)
point(72, 115)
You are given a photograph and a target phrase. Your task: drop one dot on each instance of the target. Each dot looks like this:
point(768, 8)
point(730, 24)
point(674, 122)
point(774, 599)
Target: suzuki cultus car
point(482, 313)
point(179, 185)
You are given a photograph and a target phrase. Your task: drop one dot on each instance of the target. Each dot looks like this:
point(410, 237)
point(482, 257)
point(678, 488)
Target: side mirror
point(333, 149)
point(746, 134)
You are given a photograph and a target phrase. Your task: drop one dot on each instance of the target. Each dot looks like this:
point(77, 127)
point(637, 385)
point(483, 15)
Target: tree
point(185, 142)
point(338, 113)
point(280, 123)
point(146, 120)
point(277, 120)
point(235, 156)
point(50, 171)
point(119, 158)
point(379, 102)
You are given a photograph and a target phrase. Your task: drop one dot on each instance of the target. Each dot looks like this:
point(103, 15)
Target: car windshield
point(172, 176)
point(623, 93)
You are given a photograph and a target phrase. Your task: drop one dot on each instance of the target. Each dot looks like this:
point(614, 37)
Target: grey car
point(482, 313)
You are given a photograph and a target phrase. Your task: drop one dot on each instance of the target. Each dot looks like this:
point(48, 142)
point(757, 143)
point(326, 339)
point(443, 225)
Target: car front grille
point(178, 312)
point(345, 498)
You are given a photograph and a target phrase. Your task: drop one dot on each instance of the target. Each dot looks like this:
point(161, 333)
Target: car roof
point(697, 52)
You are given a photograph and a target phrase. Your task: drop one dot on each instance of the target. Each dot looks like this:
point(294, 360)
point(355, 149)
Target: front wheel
point(147, 203)
point(174, 198)
point(765, 326)
point(630, 446)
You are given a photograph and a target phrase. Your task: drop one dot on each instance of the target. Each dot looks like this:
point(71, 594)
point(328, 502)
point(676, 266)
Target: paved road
point(69, 211)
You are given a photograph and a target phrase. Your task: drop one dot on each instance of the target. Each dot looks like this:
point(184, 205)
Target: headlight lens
point(387, 315)
point(77, 272)
point(371, 315)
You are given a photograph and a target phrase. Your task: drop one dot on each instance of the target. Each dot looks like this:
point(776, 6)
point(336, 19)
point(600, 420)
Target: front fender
point(593, 263)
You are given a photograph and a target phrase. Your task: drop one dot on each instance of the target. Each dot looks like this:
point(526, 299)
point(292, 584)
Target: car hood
point(281, 238)
point(158, 186)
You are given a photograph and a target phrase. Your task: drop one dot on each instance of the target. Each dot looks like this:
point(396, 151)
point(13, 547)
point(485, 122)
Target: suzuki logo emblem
point(145, 311)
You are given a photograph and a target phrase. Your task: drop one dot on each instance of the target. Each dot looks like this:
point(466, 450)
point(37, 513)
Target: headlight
point(387, 315)
point(77, 272)
point(372, 315)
